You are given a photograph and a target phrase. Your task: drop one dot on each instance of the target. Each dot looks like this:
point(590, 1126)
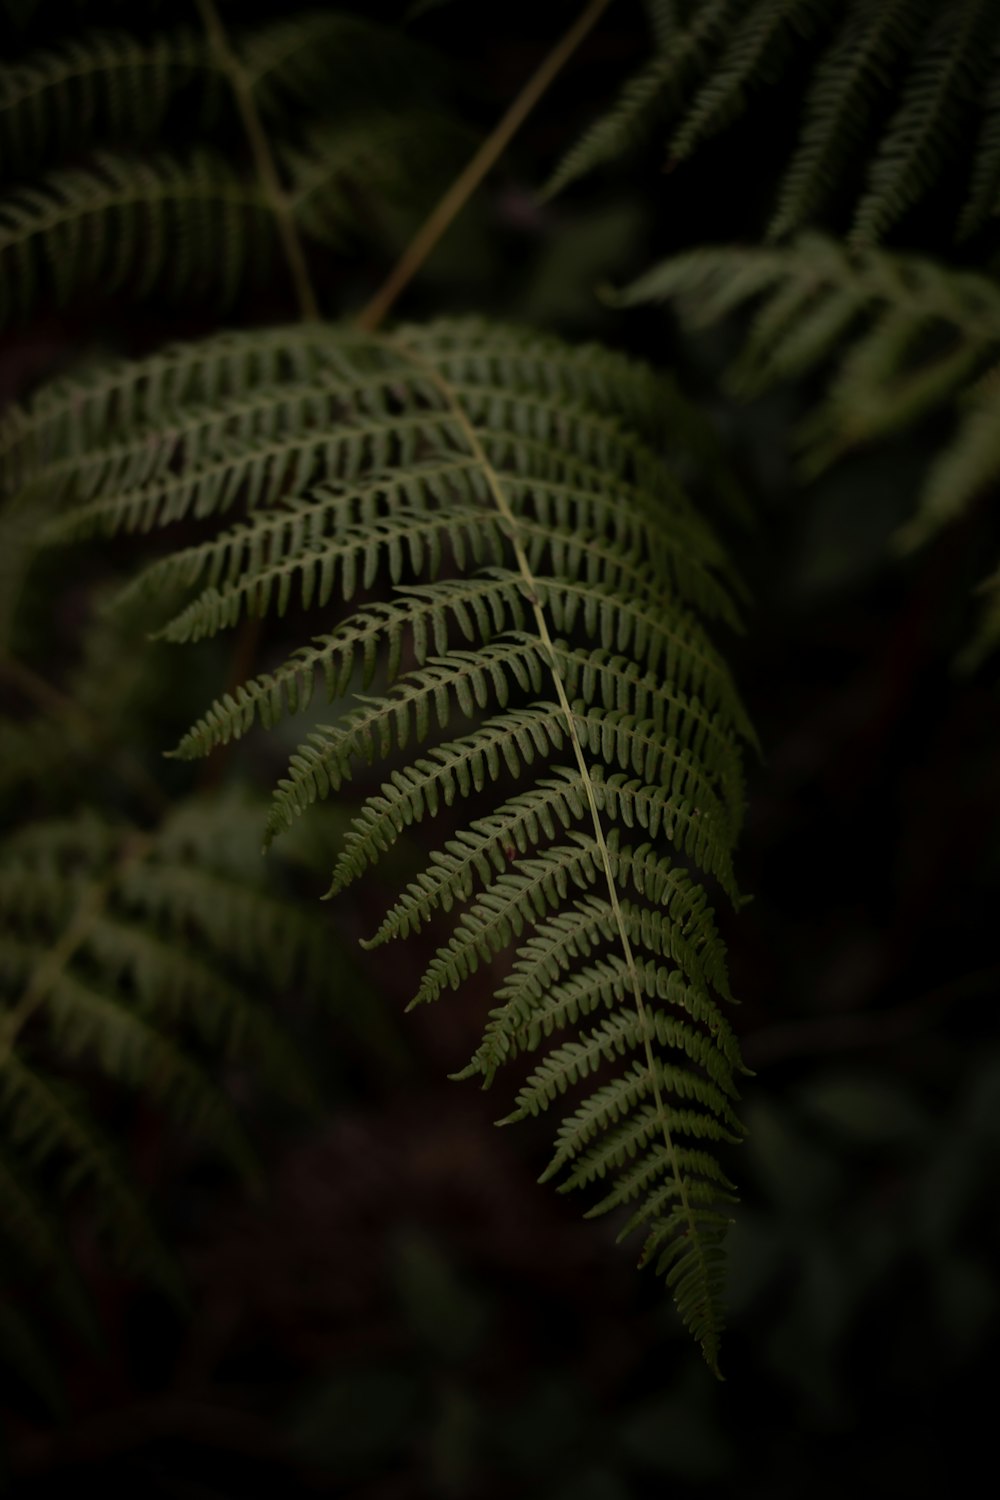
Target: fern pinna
point(901, 93)
point(543, 647)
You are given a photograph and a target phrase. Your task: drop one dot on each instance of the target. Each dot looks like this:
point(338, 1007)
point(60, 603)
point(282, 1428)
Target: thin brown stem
point(263, 158)
point(469, 179)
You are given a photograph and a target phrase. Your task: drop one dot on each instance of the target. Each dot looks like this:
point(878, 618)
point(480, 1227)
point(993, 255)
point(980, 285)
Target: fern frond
point(840, 105)
point(419, 617)
point(544, 994)
point(104, 86)
point(663, 19)
point(968, 466)
point(102, 83)
point(322, 57)
point(414, 544)
point(88, 1021)
point(391, 156)
point(135, 957)
point(756, 52)
point(931, 69)
point(68, 415)
point(322, 765)
point(547, 582)
point(483, 850)
point(650, 96)
point(109, 216)
point(130, 222)
point(177, 409)
point(906, 338)
point(48, 1128)
point(984, 186)
point(927, 130)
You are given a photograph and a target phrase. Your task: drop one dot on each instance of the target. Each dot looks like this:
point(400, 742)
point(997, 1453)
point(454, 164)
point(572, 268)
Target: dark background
point(405, 1313)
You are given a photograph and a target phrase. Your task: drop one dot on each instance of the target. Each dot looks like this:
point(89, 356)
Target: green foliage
point(908, 338)
point(92, 202)
point(649, 97)
point(142, 945)
point(133, 957)
point(502, 541)
point(112, 224)
point(902, 93)
point(549, 582)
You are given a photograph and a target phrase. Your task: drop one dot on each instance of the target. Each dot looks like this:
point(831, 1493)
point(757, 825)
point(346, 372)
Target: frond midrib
point(709, 1342)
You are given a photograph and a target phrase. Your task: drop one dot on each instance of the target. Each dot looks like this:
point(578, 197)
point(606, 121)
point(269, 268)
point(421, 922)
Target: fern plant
point(908, 338)
point(485, 549)
point(911, 337)
point(92, 202)
point(901, 94)
point(142, 945)
point(136, 956)
point(549, 586)
point(500, 540)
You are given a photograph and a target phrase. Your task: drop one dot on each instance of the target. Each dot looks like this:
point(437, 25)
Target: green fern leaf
point(932, 70)
point(101, 84)
point(111, 224)
point(544, 581)
point(109, 216)
point(755, 53)
point(840, 105)
point(906, 337)
point(984, 188)
point(927, 129)
point(134, 956)
point(650, 96)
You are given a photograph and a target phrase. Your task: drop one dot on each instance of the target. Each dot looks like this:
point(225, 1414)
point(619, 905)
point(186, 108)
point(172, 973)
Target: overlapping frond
point(135, 957)
point(527, 651)
point(905, 338)
point(113, 86)
point(94, 200)
point(844, 97)
point(902, 92)
point(649, 98)
point(928, 131)
point(92, 86)
point(134, 223)
point(757, 50)
point(331, 62)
